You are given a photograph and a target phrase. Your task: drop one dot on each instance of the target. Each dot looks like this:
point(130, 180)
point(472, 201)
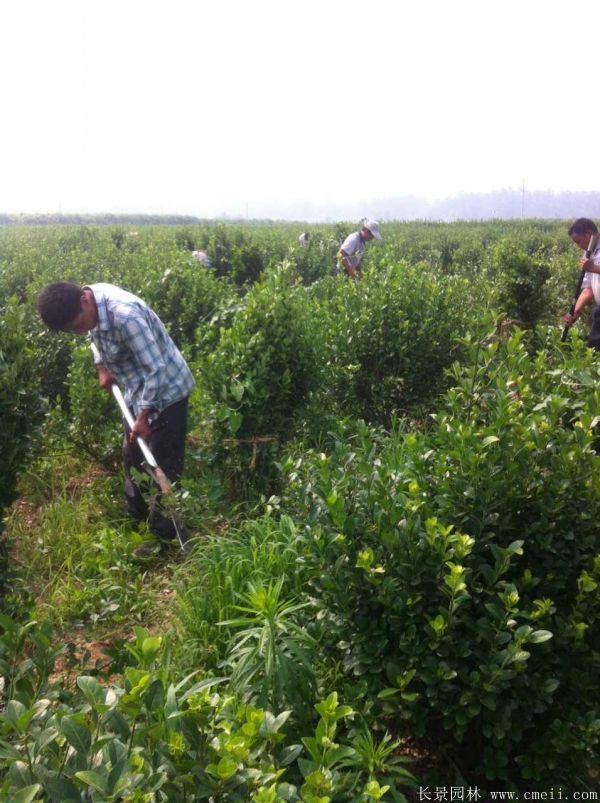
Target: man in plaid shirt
point(131, 348)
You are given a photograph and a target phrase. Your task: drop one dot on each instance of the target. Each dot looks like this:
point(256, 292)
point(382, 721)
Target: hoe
point(149, 465)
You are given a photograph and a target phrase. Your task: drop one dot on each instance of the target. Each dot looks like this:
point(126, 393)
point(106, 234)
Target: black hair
point(59, 304)
point(583, 225)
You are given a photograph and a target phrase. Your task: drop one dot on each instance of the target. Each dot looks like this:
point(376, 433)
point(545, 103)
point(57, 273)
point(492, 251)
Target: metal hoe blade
point(150, 464)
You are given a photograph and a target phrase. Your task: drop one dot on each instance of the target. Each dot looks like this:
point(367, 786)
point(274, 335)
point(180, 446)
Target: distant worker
point(584, 234)
point(202, 257)
point(304, 238)
point(352, 250)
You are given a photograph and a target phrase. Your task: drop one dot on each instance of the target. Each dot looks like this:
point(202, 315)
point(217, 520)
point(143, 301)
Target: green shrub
point(261, 374)
point(22, 404)
point(521, 279)
point(317, 260)
point(92, 418)
point(463, 568)
point(390, 337)
point(234, 254)
point(186, 295)
point(156, 737)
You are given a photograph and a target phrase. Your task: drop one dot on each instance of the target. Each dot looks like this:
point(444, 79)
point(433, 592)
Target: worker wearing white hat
point(352, 249)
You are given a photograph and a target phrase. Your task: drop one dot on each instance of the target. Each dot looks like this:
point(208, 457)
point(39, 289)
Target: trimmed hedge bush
point(459, 569)
point(389, 338)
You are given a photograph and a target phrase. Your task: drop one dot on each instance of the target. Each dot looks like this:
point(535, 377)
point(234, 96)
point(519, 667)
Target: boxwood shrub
point(459, 568)
point(389, 338)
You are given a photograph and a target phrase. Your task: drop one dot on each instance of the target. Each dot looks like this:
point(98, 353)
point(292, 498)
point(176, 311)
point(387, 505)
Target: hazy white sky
point(197, 107)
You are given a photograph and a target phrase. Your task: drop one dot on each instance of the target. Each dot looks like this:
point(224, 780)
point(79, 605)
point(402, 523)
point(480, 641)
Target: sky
point(282, 108)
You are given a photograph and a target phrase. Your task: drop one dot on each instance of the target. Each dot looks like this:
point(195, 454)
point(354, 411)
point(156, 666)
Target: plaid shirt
point(132, 343)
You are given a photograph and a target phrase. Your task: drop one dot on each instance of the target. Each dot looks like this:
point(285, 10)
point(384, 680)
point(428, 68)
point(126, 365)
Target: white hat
point(373, 227)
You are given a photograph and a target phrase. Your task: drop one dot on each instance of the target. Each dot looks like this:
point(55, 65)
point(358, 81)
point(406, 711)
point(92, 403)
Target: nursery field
point(392, 501)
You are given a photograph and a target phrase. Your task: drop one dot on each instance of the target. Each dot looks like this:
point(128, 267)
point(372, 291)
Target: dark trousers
point(167, 444)
point(593, 340)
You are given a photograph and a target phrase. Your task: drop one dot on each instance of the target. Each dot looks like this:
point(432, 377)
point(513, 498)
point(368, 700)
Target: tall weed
point(259, 552)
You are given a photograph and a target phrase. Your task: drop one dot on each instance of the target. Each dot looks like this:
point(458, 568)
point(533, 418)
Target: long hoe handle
point(157, 473)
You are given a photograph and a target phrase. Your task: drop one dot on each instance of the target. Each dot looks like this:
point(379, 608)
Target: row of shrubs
point(138, 258)
point(159, 737)
point(284, 355)
point(413, 570)
point(447, 580)
point(295, 359)
point(288, 359)
point(24, 357)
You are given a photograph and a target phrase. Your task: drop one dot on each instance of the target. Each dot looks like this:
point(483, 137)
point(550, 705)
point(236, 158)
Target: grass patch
point(73, 551)
point(259, 551)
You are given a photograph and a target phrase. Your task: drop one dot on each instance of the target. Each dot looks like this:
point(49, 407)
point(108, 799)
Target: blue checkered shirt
point(134, 346)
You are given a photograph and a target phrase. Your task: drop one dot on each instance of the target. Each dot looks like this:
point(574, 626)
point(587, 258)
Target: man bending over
point(131, 348)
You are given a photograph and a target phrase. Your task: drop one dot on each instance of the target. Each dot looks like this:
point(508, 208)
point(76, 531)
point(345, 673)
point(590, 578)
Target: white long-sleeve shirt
point(593, 279)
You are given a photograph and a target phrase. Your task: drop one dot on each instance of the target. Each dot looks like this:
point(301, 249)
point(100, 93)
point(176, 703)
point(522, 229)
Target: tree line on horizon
point(505, 204)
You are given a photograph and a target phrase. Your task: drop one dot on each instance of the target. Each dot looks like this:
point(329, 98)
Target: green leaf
point(14, 711)
point(7, 751)
point(438, 625)
point(289, 754)
point(117, 771)
point(271, 724)
point(222, 412)
point(235, 422)
point(155, 696)
point(119, 723)
point(27, 794)
point(365, 559)
point(151, 646)
point(389, 692)
point(287, 791)
point(224, 769)
point(551, 685)
point(93, 779)
point(490, 439)
point(203, 684)
point(77, 735)
point(45, 738)
point(93, 692)
point(539, 636)
point(237, 391)
point(8, 624)
point(63, 789)
point(343, 711)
